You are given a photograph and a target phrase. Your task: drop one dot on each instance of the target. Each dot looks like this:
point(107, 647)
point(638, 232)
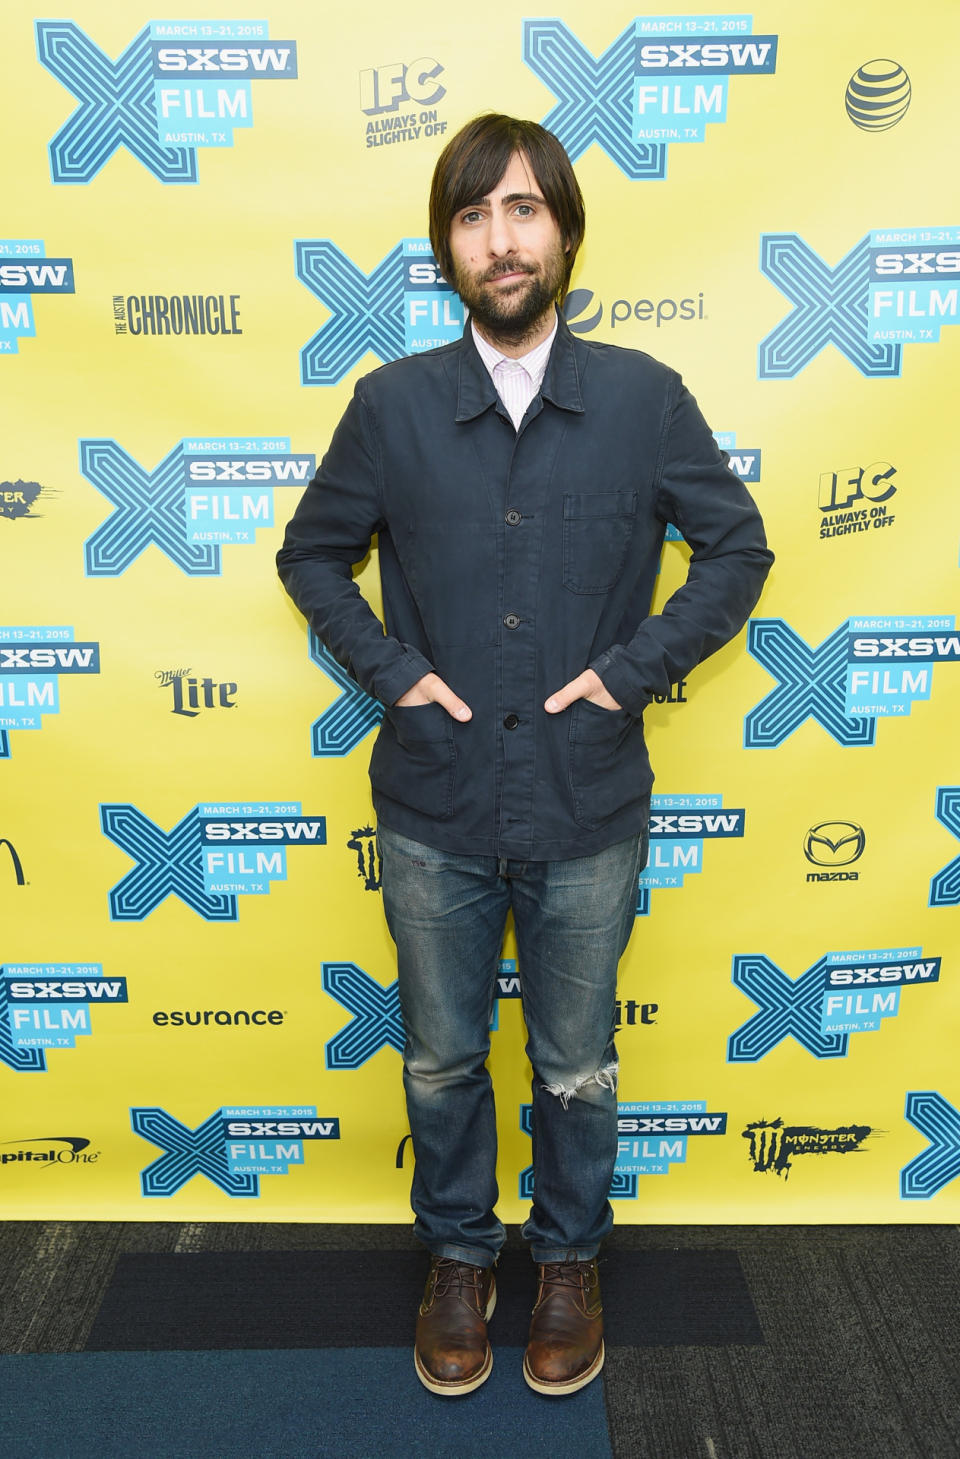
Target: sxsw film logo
point(413, 84)
point(652, 1137)
point(939, 1122)
point(403, 307)
point(895, 286)
point(868, 668)
point(215, 854)
point(772, 1145)
point(744, 461)
point(843, 993)
point(346, 722)
point(25, 271)
point(854, 498)
point(232, 1148)
point(177, 86)
point(205, 494)
point(375, 1023)
point(32, 659)
point(945, 886)
point(47, 1006)
point(678, 827)
point(664, 79)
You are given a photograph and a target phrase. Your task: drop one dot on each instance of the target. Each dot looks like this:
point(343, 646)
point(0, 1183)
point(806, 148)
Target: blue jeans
point(573, 919)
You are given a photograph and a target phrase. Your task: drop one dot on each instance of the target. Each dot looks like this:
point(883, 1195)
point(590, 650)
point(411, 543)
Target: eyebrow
point(509, 198)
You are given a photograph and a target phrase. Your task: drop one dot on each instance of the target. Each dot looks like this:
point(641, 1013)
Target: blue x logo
point(831, 306)
point(376, 1016)
point(117, 107)
point(168, 863)
point(350, 718)
point(202, 1151)
point(149, 506)
point(812, 686)
point(366, 313)
point(936, 1166)
point(594, 97)
point(945, 886)
point(622, 1187)
point(4, 745)
point(22, 1060)
point(786, 1007)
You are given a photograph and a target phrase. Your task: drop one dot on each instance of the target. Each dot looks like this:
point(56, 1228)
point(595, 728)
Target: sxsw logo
point(25, 271)
point(177, 86)
point(375, 1023)
point(843, 993)
point(939, 1121)
point(403, 307)
point(31, 662)
point(894, 287)
point(353, 714)
point(744, 461)
point(662, 80)
point(204, 494)
point(233, 1148)
point(868, 668)
point(215, 854)
point(47, 1006)
point(945, 886)
point(678, 827)
point(652, 1137)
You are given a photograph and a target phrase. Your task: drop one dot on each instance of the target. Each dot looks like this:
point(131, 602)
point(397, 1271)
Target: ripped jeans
point(573, 919)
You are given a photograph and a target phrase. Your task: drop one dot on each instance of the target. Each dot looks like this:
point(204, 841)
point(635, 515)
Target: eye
point(472, 215)
point(524, 210)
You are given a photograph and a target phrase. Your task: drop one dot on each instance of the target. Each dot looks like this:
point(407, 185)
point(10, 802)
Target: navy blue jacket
point(510, 561)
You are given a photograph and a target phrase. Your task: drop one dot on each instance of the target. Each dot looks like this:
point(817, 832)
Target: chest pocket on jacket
point(597, 528)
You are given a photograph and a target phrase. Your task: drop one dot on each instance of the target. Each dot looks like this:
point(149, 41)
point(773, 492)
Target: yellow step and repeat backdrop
point(215, 223)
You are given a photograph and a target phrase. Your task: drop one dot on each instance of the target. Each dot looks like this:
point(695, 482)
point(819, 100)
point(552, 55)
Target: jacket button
point(511, 721)
point(511, 621)
point(513, 518)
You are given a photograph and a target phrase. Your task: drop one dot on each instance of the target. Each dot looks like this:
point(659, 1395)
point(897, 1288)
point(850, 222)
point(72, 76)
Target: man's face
point(509, 258)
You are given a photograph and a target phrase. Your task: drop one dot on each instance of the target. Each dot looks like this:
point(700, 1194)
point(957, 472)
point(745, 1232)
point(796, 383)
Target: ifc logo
point(878, 95)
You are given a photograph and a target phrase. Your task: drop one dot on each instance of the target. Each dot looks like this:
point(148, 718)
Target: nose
point(501, 240)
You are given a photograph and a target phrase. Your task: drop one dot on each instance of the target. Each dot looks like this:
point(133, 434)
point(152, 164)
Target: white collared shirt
point(516, 381)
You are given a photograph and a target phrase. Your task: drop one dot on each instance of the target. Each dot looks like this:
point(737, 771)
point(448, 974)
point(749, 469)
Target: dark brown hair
point(473, 162)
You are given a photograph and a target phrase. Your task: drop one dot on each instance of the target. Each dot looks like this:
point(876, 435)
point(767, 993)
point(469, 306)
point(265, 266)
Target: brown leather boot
point(565, 1346)
point(452, 1354)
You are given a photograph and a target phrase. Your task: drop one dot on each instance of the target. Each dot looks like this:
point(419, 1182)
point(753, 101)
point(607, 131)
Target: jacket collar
point(476, 391)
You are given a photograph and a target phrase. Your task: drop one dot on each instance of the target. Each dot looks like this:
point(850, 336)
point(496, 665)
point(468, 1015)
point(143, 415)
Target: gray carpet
point(852, 1350)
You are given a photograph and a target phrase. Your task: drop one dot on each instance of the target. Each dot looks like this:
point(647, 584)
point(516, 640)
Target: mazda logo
point(834, 843)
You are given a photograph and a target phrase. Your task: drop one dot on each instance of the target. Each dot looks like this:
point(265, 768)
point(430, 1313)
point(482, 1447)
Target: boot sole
point(457, 1390)
point(572, 1385)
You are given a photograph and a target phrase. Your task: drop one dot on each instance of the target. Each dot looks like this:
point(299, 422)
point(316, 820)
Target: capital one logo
point(160, 99)
point(663, 80)
point(880, 296)
point(214, 854)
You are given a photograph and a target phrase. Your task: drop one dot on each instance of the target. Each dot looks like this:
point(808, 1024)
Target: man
point(520, 481)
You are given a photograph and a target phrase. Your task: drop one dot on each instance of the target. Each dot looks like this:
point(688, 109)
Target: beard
point(514, 314)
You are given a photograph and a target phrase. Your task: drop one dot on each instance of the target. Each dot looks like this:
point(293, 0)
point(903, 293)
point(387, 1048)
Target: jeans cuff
point(543, 1254)
point(472, 1255)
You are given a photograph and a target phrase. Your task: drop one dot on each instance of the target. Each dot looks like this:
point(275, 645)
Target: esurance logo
point(678, 827)
point(32, 659)
point(207, 493)
point(868, 668)
point(403, 307)
point(233, 1148)
point(663, 80)
point(652, 1137)
point(47, 1006)
point(895, 286)
point(215, 854)
point(25, 271)
point(843, 993)
point(177, 86)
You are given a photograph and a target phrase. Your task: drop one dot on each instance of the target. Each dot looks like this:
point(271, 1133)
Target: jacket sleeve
point(714, 512)
point(339, 514)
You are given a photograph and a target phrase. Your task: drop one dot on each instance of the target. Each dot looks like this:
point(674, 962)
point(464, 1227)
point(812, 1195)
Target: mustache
point(508, 266)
